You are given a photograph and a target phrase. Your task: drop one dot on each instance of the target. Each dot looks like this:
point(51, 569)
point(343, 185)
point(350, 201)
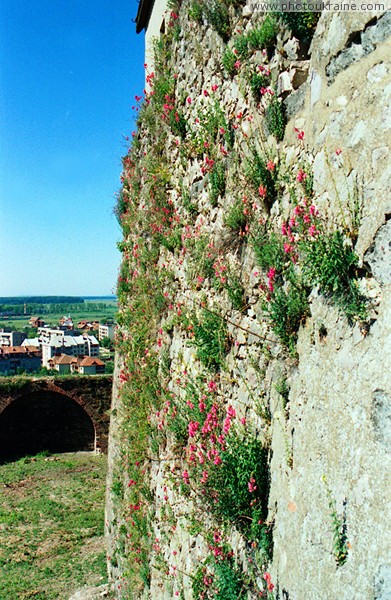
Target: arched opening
point(44, 421)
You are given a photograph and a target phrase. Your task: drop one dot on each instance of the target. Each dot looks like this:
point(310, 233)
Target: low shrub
point(217, 182)
point(275, 118)
point(210, 338)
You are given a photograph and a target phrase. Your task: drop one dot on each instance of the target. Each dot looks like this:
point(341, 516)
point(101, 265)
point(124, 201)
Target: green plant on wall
point(275, 118)
point(217, 182)
point(341, 544)
point(217, 15)
point(330, 262)
point(210, 338)
point(261, 176)
point(302, 24)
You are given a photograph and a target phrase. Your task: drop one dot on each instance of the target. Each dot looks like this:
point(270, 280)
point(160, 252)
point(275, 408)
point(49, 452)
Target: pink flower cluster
point(207, 166)
point(303, 223)
point(168, 108)
point(220, 270)
point(270, 278)
point(251, 485)
point(231, 414)
point(268, 578)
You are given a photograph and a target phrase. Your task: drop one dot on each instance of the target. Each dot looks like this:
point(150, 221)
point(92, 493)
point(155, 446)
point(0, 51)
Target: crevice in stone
point(359, 44)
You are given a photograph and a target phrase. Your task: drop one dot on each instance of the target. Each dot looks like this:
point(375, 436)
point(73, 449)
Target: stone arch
point(91, 394)
point(47, 418)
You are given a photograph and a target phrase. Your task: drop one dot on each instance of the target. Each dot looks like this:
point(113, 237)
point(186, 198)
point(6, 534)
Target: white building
point(106, 330)
point(55, 342)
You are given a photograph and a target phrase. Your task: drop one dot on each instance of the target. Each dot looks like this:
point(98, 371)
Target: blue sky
point(69, 71)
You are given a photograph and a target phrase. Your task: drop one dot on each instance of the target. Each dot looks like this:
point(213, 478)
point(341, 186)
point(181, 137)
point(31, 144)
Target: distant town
point(83, 348)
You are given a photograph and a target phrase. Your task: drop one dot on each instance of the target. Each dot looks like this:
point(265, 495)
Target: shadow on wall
point(44, 421)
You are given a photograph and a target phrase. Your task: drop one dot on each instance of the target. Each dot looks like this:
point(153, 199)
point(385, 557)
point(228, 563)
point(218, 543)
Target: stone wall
point(212, 261)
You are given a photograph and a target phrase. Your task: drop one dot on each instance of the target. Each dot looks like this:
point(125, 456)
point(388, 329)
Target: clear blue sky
point(69, 72)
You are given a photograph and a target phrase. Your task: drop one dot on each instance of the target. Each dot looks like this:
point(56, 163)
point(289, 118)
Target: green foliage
point(244, 460)
point(241, 45)
point(268, 249)
point(212, 130)
point(202, 258)
point(282, 388)
point(229, 60)
point(188, 205)
point(235, 218)
point(109, 367)
point(7, 301)
point(217, 182)
point(117, 489)
point(340, 537)
point(172, 240)
point(196, 11)
point(288, 309)
point(258, 175)
point(177, 123)
point(257, 81)
point(228, 580)
point(217, 15)
point(263, 37)
point(302, 24)
point(331, 263)
point(235, 291)
point(210, 338)
point(275, 118)
point(259, 38)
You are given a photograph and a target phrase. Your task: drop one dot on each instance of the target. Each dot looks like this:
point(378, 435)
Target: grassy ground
point(51, 526)
point(92, 312)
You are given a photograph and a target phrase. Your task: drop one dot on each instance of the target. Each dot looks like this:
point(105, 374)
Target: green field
point(51, 526)
point(92, 311)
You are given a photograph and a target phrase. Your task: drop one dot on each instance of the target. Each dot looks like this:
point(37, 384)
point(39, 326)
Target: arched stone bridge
point(56, 414)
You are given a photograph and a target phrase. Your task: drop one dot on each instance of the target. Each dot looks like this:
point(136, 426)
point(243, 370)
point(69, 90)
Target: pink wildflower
point(204, 477)
point(251, 485)
point(301, 176)
point(231, 412)
point(262, 191)
point(193, 428)
point(227, 425)
point(212, 386)
point(270, 165)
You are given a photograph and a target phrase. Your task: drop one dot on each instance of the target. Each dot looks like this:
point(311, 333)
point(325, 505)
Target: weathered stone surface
point(336, 423)
point(291, 48)
point(92, 593)
point(381, 417)
point(383, 583)
point(379, 255)
point(364, 42)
